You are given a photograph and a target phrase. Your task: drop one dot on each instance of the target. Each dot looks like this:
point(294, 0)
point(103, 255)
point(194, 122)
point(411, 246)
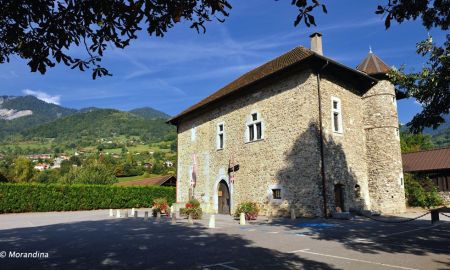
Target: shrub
point(421, 192)
point(96, 174)
point(193, 208)
point(160, 205)
point(250, 209)
point(17, 198)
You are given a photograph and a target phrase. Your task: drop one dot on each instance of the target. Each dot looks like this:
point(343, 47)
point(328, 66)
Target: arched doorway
point(339, 197)
point(223, 198)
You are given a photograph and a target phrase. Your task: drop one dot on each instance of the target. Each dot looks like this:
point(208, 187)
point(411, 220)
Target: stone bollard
point(118, 214)
point(146, 215)
point(172, 210)
point(126, 213)
point(269, 219)
point(158, 216)
point(132, 211)
point(212, 221)
point(190, 220)
point(174, 220)
point(135, 214)
point(242, 219)
point(111, 213)
point(293, 214)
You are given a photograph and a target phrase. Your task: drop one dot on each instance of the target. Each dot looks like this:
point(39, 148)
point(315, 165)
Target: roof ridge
point(428, 150)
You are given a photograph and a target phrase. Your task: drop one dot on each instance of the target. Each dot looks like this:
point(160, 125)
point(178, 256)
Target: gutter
point(322, 155)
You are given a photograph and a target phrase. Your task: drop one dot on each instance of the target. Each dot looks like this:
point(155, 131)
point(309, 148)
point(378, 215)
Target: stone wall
point(386, 185)
point(287, 157)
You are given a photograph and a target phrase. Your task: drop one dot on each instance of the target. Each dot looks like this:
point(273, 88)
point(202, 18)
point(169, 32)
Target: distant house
point(41, 166)
point(165, 181)
point(432, 163)
point(168, 163)
point(148, 165)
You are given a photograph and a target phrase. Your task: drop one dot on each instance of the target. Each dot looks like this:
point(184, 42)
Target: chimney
point(316, 43)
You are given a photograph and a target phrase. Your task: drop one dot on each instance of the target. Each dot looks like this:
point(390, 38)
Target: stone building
point(302, 132)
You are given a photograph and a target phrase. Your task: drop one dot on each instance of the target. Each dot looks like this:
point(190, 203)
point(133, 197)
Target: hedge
point(17, 198)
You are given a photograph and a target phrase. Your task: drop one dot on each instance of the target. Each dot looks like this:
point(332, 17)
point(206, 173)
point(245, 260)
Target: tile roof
point(154, 181)
point(373, 65)
point(295, 56)
point(430, 160)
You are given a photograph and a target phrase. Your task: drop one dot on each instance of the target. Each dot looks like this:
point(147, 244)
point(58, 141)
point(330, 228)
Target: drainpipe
point(322, 159)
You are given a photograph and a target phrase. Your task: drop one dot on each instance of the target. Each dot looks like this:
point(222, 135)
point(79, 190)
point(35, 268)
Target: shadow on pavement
point(134, 244)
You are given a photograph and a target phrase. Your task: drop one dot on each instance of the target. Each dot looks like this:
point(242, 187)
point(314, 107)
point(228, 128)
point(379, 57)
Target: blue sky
point(174, 72)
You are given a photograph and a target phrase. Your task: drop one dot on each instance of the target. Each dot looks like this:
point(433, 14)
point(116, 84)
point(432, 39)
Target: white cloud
point(43, 96)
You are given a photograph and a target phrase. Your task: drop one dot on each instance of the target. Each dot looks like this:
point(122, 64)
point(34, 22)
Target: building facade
point(300, 132)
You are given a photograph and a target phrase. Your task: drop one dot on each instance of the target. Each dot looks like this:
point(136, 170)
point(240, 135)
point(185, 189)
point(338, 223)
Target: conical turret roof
point(373, 65)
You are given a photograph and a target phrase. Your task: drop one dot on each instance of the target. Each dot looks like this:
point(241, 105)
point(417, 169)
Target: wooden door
point(339, 196)
point(223, 198)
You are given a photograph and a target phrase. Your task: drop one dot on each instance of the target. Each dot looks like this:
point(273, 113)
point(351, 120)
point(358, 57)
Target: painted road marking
point(350, 259)
point(223, 264)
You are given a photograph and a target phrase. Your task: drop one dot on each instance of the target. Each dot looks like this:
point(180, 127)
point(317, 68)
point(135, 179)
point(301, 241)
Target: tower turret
point(385, 173)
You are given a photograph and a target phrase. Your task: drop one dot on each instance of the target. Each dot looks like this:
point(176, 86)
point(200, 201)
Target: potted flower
point(250, 209)
point(160, 205)
point(192, 207)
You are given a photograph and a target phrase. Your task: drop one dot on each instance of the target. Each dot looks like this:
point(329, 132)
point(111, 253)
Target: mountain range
point(31, 117)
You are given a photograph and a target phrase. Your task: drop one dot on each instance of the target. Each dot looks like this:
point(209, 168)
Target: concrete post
point(135, 214)
point(132, 211)
point(190, 220)
point(174, 219)
point(172, 210)
point(111, 214)
point(242, 219)
point(126, 213)
point(212, 221)
point(146, 215)
point(269, 218)
point(158, 216)
point(293, 217)
point(118, 213)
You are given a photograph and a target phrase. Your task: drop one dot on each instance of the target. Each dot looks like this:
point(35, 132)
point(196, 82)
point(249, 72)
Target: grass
point(137, 177)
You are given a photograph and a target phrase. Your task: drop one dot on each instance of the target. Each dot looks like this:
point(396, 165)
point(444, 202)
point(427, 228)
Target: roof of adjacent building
point(427, 161)
point(296, 56)
point(373, 65)
point(154, 181)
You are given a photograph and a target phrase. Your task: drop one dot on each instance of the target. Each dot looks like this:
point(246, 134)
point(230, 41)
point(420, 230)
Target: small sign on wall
point(220, 193)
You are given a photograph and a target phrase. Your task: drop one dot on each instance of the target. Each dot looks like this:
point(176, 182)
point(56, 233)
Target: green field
point(137, 177)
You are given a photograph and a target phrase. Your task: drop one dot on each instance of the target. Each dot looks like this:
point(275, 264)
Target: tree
point(430, 86)
point(98, 174)
point(43, 31)
point(410, 142)
point(22, 170)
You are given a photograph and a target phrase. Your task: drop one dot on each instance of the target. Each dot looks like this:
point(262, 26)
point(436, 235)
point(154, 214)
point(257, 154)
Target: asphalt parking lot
point(93, 240)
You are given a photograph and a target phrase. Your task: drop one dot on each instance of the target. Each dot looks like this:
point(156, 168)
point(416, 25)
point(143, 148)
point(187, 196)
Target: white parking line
point(223, 264)
point(350, 259)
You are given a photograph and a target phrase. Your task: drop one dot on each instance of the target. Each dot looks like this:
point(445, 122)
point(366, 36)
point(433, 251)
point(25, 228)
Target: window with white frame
point(220, 136)
point(255, 129)
point(193, 132)
point(336, 115)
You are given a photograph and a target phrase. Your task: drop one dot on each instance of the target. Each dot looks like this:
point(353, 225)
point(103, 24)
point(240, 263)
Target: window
point(220, 136)
point(255, 128)
point(336, 115)
point(276, 194)
point(397, 133)
point(193, 132)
